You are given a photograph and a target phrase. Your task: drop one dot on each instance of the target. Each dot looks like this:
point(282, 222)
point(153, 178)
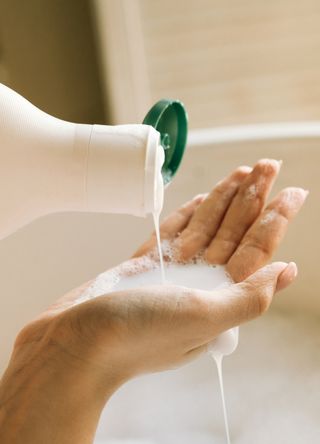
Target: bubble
point(268, 217)
point(145, 270)
point(251, 192)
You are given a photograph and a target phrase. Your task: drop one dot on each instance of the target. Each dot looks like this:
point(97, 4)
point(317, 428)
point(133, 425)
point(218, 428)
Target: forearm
point(48, 403)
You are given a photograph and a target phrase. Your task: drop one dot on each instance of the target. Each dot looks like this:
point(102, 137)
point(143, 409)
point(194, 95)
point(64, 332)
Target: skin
point(67, 363)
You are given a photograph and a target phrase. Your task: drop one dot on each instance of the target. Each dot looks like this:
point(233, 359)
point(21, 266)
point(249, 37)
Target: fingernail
point(287, 276)
point(279, 162)
point(245, 169)
point(200, 197)
point(306, 193)
point(292, 270)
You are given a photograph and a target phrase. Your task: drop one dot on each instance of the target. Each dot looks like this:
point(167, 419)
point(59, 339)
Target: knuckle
point(228, 239)
point(32, 332)
point(264, 301)
point(263, 249)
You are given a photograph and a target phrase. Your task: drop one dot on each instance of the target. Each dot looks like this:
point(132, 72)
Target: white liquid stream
point(199, 276)
point(194, 275)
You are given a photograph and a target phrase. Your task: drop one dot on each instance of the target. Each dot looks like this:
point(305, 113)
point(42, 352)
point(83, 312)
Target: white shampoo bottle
point(49, 165)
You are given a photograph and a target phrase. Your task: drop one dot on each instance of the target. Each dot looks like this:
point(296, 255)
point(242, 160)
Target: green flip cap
point(169, 117)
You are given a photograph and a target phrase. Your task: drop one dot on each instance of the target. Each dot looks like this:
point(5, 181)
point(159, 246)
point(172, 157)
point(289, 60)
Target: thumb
point(252, 297)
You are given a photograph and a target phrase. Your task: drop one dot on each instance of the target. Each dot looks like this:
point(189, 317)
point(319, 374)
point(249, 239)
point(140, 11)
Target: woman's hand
point(232, 225)
point(81, 352)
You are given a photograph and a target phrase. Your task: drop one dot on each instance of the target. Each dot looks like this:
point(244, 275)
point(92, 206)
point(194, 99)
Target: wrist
point(50, 398)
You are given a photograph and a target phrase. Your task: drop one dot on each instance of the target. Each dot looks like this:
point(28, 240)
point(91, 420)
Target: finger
point(244, 209)
point(173, 224)
point(242, 302)
point(208, 216)
point(264, 236)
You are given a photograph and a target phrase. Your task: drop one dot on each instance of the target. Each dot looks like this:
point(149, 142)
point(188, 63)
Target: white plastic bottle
point(49, 165)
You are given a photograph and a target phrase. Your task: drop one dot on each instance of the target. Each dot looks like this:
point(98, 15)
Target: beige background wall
point(234, 61)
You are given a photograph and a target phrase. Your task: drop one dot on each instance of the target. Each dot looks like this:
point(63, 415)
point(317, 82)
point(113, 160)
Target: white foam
point(251, 192)
point(268, 217)
point(193, 275)
point(197, 275)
